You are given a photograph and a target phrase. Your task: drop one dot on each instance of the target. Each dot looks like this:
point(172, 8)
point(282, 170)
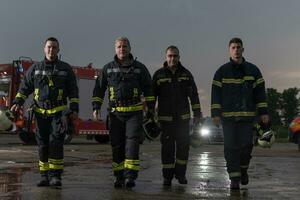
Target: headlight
point(204, 132)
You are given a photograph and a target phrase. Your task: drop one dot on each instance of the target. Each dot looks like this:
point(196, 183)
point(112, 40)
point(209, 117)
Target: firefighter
point(175, 90)
point(238, 95)
point(52, 83)
point(126, 80)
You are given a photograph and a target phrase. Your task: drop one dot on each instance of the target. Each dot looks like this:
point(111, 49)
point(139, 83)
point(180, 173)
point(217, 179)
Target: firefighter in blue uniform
point(126, 80)
point(175, 90)
point(52, 83)
point(238, 95)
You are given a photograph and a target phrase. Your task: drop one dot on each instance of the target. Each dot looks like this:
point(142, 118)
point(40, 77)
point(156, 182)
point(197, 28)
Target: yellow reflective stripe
point(43, 166)
point(56, 163)
point(50, 82)
point(234, 174)
point(135, 92)
point(36, 94)
point(186, 116)
point(168, 166)
point(165, 118)
point(238, 114)
point(259, 81)
point(181, 162)
point(216, 106)
point(74, 100)
point(150, 98)
point(217, 83)
point(50, 111)
point(195, 106)
point(249, 78)
point(117, 166)
point(111, 93)
point(54, 166)
point(19, 95)
point(163, 80)
point(261, 105)
point(231, 80)
point(132, 164)
point(183, 78)
point(60, 93)
point(132, 108)
point(97, 99)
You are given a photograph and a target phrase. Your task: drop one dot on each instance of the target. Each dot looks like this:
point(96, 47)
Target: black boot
point(130, 183)
point(44, 181)
point(244, 177)
point(167, 182)
point(119, 182)
point(182, 180)
point(55, 178)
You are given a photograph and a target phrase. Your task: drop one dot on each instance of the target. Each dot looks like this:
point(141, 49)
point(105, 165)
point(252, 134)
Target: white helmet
point(5, 121)
point(267, 139)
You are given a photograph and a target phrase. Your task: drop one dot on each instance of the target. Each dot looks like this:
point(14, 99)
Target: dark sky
point(200, 28)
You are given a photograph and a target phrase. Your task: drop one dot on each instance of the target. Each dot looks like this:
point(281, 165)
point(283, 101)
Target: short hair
point(236, 40)
point(124, 39)
point(173, 47)
point(52, 39)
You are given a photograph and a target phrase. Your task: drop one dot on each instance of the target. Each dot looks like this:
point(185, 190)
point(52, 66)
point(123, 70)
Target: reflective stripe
point(50, 111)
point(238, 114)
point(43, 166)
point(132, 164)
point(56, 163)
point(135, 92)
point(49, 73)
point(51, 84)
point(60, 94)
point(234, 174)
point(186, 116)
point(150, 98)
point(261, 105)
point(22, 96)
point(231, 80)
point(165, 118)
point(97, 99)
point(110, 70)
point(184, 78)
point(163, 80)
point(195, 106)
point(216, 106)
point(112, 93)
point(168, 166)
point(117, 166)
point(132, 108)
point(217, 83)
point(74, 100)
point(36, 94)
point(259, 81)
point(249, 78)
point(181, 162)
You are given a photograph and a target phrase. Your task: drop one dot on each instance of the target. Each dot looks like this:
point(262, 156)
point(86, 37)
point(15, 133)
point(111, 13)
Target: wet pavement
point(274, 174)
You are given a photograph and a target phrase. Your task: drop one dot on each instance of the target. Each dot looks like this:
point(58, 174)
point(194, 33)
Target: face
point(172, 57)
point(122, 49)
point(236, 51)
point(51, 50)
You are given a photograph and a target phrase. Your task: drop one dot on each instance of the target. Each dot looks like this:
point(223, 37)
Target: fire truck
point(11, 76)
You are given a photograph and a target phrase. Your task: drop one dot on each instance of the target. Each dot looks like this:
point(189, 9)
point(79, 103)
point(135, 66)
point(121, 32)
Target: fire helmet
point(6, 123)
point(265, 136)
point(151, 129)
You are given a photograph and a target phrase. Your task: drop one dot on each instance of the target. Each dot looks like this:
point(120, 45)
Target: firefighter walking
point(126, 80)
point(238, 94)
point(175, 89)
point(52, 83)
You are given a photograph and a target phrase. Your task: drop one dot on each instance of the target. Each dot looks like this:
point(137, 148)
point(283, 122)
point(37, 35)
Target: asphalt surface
point(274, 173)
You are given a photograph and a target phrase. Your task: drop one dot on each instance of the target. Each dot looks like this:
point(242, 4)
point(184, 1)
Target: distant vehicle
point(294, 132)
point(210, 133)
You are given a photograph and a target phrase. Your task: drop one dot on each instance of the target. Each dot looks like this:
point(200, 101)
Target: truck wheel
point(26, 137)
point(102, 139)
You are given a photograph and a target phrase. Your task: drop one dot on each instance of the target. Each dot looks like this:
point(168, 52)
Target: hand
point(15, 108)
point(216, 120)
point(96, 115)
point(265, 119)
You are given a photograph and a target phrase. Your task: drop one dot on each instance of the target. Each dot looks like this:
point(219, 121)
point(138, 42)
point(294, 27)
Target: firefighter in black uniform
point(51, 81)
point(175, 90)
point(238, 91)
point(126, 80)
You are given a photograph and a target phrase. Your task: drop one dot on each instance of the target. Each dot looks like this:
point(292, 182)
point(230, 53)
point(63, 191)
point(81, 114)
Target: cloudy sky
point(200, 28)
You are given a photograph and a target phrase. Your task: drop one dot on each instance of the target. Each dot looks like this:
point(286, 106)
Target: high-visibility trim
point(97, 99)
point(168, 166)
point(150, 98)
point(36, 94)
point(238, 114)
point(60, 94)
point(159, 81)
point(118, 166)
point(135, 92)
point(43, 166)
point(50, 111)
point(249, 78)
point(132, 164)
point(111, 93)
point(132, 108)
point(56, 164)
point(244, 166)
point(259, 81)
point(181, 162)
point(216, 106)
point(232, 80)
point(234, 174)
point(196, 106)
point(261, 105)
point(74, 100)
point(55, 167)
point(22, 96)
point(56, 161)
point(165, 118)
point(51, 84)
point(186, 116)
point(183, 78)
point(217, 83)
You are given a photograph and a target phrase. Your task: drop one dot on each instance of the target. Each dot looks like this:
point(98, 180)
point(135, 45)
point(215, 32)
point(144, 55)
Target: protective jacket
point(52, 83)
point(126, 85)
point(238, 91)
point(173, 91)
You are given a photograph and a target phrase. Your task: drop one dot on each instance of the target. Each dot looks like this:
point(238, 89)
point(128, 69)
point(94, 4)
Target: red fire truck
point(11, 76)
